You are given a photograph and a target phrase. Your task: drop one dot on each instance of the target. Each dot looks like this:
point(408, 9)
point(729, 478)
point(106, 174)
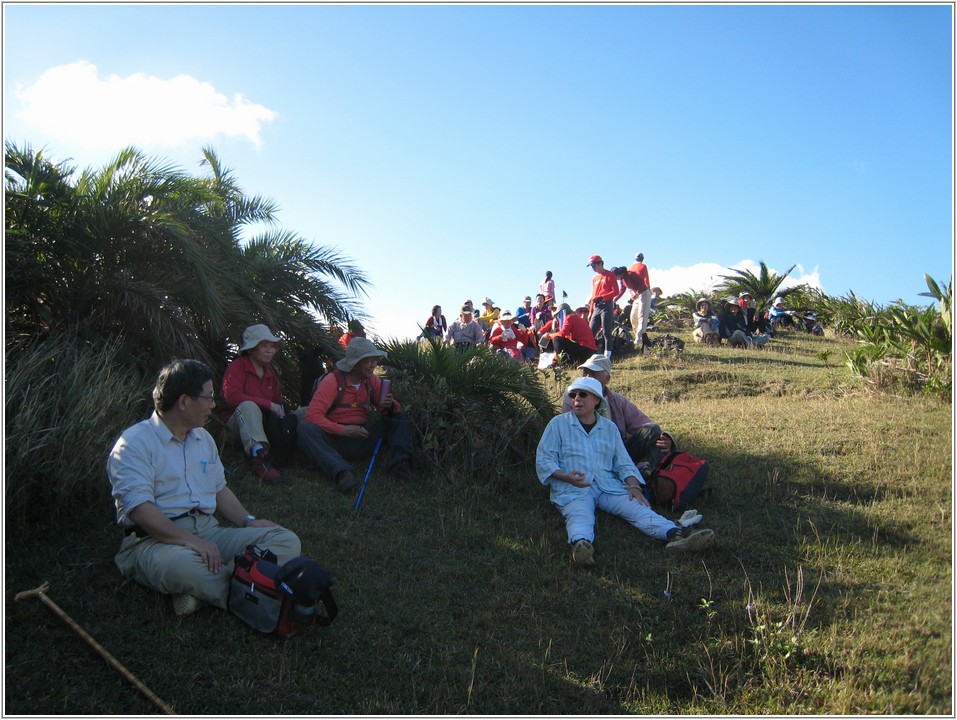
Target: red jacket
point(575, 328)
point(352, 408)
point(241, 382)
point(604, 286)
point(641, 270)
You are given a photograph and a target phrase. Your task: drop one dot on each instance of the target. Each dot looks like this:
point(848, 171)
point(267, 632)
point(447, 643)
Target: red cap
point(594, 259)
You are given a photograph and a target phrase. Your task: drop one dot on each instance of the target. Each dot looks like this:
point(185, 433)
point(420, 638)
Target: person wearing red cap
point(601, 307)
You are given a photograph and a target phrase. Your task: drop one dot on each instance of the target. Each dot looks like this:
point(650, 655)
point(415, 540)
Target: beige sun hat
point(596, 363)
point(255, 334)
point(359, 348)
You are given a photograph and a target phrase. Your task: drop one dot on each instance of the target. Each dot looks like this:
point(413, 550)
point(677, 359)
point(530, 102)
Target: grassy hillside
point(829, 589)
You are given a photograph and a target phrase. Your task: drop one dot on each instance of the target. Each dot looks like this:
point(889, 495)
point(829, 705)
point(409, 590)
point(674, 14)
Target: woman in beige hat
point(349, 412)
point(258, 418)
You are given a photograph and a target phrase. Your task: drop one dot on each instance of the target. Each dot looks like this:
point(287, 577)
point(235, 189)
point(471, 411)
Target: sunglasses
point(577, 394)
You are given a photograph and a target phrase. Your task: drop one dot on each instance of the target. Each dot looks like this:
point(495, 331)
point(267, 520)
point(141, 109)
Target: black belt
point(140, 532)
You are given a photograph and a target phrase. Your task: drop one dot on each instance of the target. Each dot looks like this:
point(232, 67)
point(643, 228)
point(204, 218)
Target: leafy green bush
point(66, 403)
point(908, 348)
point(469, 409)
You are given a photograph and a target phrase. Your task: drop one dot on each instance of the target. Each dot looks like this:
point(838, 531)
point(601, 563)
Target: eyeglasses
point(205, 397)
point(577, 394)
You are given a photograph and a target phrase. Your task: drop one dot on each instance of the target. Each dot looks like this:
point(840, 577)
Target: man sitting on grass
point(168, 482)
point(582, 458)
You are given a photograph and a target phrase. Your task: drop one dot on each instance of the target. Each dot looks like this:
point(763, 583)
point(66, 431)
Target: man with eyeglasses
point(168, 484)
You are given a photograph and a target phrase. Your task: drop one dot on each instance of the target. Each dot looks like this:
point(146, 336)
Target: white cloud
point(73, 105)
point(705, 276)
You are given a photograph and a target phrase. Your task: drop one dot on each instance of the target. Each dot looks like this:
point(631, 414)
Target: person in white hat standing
point(256, 416)
point(337, 428)
point(583, 461)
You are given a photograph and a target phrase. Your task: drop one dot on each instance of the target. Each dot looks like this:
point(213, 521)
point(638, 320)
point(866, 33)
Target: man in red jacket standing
point(641, 302)
point(601, 307)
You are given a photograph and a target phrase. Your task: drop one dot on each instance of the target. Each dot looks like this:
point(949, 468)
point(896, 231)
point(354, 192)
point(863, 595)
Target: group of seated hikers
point(738, 322)
point(169, 483)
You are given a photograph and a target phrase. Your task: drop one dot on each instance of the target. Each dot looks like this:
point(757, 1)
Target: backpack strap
point(341, 390)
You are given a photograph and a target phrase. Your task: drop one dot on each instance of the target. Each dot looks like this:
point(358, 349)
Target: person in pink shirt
point(256, 416)
point(348, 414)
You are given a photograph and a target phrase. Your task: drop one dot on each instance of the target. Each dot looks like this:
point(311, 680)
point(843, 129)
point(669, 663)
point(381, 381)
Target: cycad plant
point(764, 286)
point(907, 347)
point(469, 410)
point(144, 254)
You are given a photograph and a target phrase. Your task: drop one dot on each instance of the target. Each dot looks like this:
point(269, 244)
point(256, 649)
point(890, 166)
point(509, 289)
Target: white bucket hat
point(255, 334)
point(359, 348)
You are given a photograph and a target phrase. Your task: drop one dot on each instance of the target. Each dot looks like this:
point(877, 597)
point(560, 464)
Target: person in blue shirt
point(523, 315)
point(583, 460)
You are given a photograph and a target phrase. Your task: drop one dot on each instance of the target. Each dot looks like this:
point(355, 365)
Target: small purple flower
point(668, 594)
point(749, 607)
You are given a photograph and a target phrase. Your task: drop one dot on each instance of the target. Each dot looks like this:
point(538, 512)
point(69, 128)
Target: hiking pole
point(111, 661)
point(375, 453)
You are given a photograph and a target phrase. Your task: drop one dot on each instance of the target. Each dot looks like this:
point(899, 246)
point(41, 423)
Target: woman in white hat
point(258, 418)
point(582, 459)
point(510, 339)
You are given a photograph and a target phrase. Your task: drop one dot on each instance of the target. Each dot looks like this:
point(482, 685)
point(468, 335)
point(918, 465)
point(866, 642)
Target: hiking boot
point(346, 481)
point(583, 553)
point(185, 604)
point(404, 471)
point(687, 540)
point(263, 468)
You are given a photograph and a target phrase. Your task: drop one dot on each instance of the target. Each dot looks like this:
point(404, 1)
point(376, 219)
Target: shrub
point(66, 403)
point(469, 409)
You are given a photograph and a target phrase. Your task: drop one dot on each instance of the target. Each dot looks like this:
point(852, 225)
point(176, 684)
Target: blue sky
point(460, 151)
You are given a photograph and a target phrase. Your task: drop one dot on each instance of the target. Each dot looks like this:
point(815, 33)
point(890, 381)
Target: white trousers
point(579, 515)
point(640, 309)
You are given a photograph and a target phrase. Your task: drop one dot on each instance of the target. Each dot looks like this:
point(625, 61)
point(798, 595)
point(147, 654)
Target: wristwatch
point(249, 519)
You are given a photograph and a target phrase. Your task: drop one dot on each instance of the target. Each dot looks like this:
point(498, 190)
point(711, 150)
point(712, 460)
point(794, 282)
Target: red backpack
point(676, 482)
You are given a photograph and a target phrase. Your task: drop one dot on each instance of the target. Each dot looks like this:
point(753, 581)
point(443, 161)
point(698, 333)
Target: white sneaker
point(689, 518)
point(185, 604)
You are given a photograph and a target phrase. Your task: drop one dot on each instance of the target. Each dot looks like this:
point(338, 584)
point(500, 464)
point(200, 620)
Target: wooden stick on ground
point(112, 661)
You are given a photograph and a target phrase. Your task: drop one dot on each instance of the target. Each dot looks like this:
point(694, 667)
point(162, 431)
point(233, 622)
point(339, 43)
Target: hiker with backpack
point(583, 460)
point(349, 413)
point(256, 415)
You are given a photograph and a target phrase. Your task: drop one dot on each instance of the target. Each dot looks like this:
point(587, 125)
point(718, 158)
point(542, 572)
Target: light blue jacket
point(599, 454)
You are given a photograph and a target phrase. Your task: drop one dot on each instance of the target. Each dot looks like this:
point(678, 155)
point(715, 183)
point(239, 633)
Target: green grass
point(829, 589)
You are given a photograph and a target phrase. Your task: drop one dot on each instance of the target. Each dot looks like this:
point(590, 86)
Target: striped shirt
point(600, 454)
